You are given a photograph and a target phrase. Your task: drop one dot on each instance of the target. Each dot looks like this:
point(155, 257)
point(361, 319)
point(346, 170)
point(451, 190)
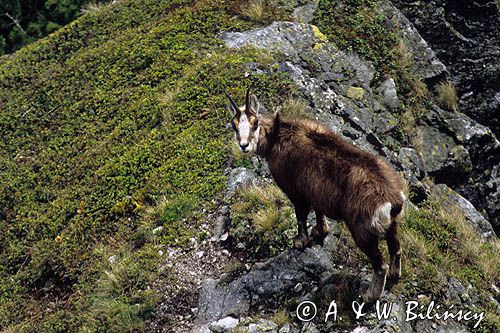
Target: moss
point(358, 26)
point(90, 146)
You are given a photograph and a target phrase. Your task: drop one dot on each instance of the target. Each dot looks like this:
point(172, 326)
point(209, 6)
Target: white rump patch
point(403, 196)
point(381, 219)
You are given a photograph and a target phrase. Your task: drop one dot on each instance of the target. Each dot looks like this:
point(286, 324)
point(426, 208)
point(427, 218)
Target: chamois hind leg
point(301, 241)
point(320, 231)
point(392, 239)
point(368, 243)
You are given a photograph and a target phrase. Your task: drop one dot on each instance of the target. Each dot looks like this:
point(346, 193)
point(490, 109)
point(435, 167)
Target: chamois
point(319, 170)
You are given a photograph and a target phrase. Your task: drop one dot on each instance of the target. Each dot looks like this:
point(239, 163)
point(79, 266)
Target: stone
point(466, 37)
point(222, 224)
point(279, 274)
point(227, 324)
point(427, 65)
point(412, 161)
point(240, 177)
point(440, 153)
point(449, 198)
point(355, 92)
point(305, 13)
point(387, 94)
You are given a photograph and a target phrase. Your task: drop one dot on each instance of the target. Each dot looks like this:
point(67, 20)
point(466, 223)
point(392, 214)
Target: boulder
point(449, 199)
point(280, 274)
point(238, 178)
point(427, 65)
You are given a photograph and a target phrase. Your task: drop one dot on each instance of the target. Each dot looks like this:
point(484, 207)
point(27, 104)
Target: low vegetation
point(447, 96)
point(359, 26)
point(113, 143)
point(23, 22)
point(263, 221)
point(254, 10)
point(438, 244)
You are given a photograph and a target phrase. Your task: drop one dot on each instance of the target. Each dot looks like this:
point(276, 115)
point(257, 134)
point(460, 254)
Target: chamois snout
point(245, 122)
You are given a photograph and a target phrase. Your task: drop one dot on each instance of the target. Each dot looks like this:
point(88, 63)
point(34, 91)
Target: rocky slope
point(339, 90)
point(466, 37)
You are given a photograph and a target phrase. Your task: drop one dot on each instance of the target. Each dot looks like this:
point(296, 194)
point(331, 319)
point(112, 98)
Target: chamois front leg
point(394, 248)
point(319, 232)
point(368, 243)
point(301, 241)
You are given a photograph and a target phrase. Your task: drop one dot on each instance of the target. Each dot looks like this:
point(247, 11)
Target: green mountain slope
point(114, 126)
point(110, 126)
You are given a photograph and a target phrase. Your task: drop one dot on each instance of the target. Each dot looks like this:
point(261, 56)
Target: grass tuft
point(93, 7)
point(447, 96)
point(280, 317)
point(254, 10)
point(295, 107)
point(262, 219)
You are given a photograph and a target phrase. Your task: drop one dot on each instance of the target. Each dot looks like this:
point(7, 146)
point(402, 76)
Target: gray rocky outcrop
point(339, 90)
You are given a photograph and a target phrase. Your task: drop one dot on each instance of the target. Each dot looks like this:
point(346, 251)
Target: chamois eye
point(255, 124)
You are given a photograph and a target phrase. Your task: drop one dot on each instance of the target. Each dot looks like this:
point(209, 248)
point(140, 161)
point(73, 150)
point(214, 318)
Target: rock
point(287, 328)
point(361, 329)
point(384, 122)
point(305, 13)
point(481, 183)
point(449, 198)
point(278, 275)
point(355, 93)
point(387, 93)
point(441, 154)
point(264, 326)
point(309, 327)
point(285, 37)
point(218, 301)
point(222, 224)
point(427, 65)
point(238, 178)
point(412, 161)
point(227, 324)
point(466, 37)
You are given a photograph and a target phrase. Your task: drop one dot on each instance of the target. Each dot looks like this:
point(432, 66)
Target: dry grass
point(280, 317)
point(403, 57)
point(92, 7)
point(447, 96)
point(295, 107)
point(254, 10)
point(472, 247)
point(266, 219)
point(265, 194)
point(419, 89)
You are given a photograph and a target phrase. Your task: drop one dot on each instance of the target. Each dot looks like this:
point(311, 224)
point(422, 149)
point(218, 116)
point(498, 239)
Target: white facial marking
point(244, 130)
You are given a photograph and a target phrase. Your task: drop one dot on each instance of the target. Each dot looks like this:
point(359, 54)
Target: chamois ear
point(254, 105)
point(231, 105)
point(277, 121)
point(277, 113)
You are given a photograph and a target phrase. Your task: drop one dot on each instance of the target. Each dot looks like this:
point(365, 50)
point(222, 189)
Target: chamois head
point(245, 122)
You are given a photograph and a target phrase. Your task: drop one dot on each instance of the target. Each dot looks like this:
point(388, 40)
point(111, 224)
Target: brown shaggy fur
point(315, 166)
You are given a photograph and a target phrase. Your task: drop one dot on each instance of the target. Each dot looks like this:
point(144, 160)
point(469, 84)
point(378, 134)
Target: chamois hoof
point(318, 236)
point(300, 242)
point(395, 269)
point(377, 286)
